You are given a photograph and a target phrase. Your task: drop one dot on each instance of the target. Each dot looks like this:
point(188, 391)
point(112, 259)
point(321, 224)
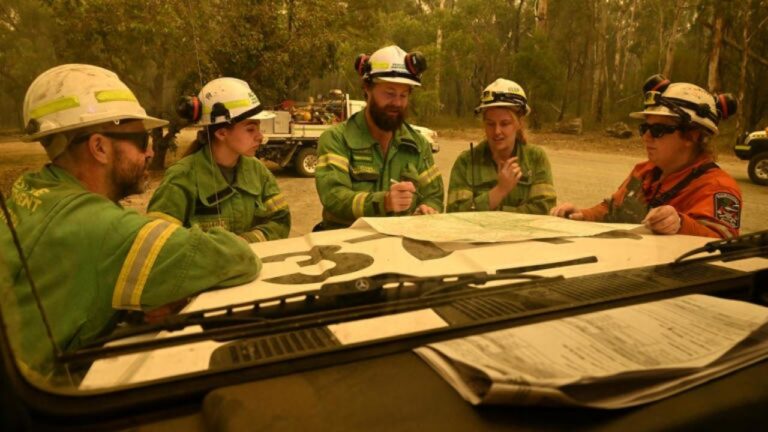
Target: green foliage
point(297, 48)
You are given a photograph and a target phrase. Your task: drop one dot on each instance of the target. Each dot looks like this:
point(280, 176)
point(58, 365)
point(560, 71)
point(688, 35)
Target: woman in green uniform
point(220, 182)
point(503, 172)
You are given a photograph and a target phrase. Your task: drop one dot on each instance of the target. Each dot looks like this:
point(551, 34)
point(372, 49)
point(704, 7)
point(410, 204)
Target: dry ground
point(586, 169)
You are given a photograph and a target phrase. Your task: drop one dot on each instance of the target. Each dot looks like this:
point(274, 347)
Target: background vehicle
point(290, 139)
point(754, 148)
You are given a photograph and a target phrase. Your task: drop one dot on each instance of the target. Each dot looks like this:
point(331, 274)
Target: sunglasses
point(658, 130)
point(139, 139)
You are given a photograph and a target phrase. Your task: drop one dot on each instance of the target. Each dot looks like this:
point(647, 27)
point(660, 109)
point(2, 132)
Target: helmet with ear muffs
point(362, 65)
point(189, 108)
point(690, 103)
point(392, 64)
point(222, 100)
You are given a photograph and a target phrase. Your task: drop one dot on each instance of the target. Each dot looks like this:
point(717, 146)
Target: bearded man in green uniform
point(375, 164)
point(88, 257)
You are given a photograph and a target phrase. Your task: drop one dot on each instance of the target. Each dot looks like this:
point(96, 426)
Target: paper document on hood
point(609, 359)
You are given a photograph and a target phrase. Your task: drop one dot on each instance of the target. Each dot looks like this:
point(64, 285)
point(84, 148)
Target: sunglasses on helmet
point(658, 130)
point(492, 96)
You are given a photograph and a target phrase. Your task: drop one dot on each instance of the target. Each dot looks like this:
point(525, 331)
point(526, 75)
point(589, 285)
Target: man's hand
point(158, 314)
point(663, 220)
point(568, 211)
point(399, 197)
point(424, 209)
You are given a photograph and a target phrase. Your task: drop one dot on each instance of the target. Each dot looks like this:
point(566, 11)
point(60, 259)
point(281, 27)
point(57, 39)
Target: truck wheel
point(758, 168)
point(306, 162)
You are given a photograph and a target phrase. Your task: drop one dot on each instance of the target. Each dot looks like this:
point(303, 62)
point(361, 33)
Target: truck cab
point(754, 148)
point(290, 139)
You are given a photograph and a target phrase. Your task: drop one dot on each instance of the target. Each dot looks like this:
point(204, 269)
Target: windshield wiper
point(745, 246)
point(334, 302)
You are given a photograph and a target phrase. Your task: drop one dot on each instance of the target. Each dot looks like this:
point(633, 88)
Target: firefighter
point(504, 172)
point(220, 182)
point(375, 164)
point(679, 189)
point(89, 258)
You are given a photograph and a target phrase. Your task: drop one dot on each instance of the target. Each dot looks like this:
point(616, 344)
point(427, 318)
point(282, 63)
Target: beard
point(128, 177)
point(383, 118)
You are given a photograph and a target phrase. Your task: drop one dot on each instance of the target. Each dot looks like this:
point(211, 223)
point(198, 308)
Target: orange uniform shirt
point(710, 205)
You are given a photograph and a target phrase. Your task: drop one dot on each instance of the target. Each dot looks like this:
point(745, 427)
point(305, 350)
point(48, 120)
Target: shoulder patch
point(728, 209)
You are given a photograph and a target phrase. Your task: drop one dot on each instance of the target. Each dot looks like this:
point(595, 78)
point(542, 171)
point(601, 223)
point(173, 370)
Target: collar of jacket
point(358, 136)
point(212, 187)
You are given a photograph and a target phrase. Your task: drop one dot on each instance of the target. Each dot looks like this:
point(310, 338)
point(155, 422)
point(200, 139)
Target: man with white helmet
point(504, 172)
point(375, 164)
point(88, 257)
point(679, 189)
point(220, 182)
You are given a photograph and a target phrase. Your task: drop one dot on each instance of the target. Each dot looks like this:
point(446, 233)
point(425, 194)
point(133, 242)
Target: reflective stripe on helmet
point(115, 96)
point(240, 103)
point(54, 106)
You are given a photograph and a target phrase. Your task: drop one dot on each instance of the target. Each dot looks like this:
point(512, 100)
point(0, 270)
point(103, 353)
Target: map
point(486, 227)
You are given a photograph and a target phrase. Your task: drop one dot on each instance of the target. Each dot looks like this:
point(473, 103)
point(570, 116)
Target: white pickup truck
point(290, 139)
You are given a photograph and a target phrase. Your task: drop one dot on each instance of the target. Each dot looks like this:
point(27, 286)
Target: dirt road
point(581, 176)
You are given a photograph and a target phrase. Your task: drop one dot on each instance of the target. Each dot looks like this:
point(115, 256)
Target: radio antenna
point(473, 207)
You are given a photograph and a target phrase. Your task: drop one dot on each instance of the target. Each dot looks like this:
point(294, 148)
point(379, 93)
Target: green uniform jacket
point(353, 176)
point(194, 192)
point(89, 258)
point(533, 194)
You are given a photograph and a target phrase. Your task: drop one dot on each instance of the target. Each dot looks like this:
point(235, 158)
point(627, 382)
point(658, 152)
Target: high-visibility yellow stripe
point(742, 147)
point(55, 106)
point(237, 103)
point(333, 159)
point(459, 195)
point(149, 262)
point(165, 217)
point(277, 202)
point(722, 229)
point(138, 264)
point(255, 236)
point(543, 189)
point(428, 175)
point(358, 204)
point(122, 95)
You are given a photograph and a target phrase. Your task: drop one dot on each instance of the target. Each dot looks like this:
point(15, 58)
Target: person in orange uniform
point(679, 189)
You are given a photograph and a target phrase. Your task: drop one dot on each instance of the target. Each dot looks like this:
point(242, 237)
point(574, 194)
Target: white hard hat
point(75, 96)
point(392, 64)
point(229, 100)
point(504, 93)
point(690, 103)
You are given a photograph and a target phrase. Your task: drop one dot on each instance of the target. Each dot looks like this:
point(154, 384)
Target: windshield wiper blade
point(744, 246)
point(334, 302)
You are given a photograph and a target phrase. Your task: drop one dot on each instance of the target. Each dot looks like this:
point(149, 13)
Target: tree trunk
point(439, 51)
point(159, 145)
point(674, 32)
point(631, 27)
point(713, 71)
point(599, 67)
point(541, 16)
point(518, 16)
point(746, 24)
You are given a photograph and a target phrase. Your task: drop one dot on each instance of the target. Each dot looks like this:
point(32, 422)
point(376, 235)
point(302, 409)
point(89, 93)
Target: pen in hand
point(415, 192)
